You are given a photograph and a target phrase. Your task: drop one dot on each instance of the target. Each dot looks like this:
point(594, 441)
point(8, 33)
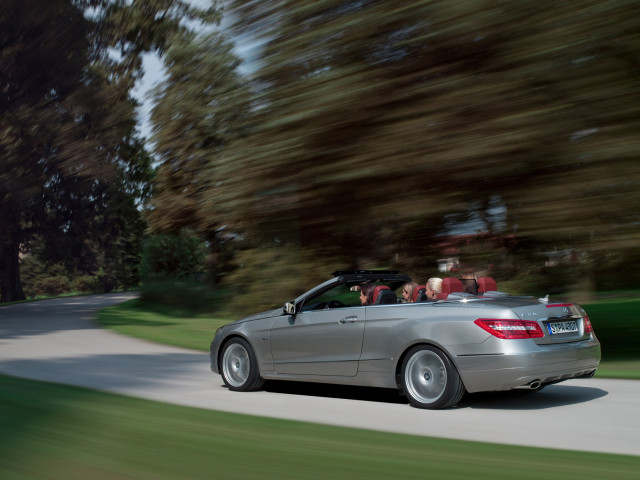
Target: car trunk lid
point(561, 322)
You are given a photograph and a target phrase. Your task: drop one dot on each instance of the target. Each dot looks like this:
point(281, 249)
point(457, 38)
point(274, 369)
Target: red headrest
point(416, 292)
point(376, 291)
point(450, 285)
point(487, 284)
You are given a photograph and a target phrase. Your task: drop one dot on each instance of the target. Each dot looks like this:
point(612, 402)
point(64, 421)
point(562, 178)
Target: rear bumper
point(528, 367)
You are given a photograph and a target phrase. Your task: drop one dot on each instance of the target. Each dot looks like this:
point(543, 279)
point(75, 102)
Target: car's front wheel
point(429, 379)
point(239, 367)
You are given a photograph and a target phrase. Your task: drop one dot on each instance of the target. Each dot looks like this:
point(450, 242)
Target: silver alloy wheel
point(425, 376)
point(236, 365)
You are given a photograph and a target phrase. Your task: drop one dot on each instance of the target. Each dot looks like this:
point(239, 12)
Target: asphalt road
point(59, 341)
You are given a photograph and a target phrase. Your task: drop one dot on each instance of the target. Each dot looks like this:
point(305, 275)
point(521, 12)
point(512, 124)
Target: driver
point(366, 293)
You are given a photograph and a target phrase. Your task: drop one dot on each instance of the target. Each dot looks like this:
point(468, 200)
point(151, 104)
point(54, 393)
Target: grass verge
point(60, 432)
point(162, 324)
point(616, 322)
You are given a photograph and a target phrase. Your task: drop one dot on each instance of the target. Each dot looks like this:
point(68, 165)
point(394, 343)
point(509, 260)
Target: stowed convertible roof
point(361, 276)
point(361, 272)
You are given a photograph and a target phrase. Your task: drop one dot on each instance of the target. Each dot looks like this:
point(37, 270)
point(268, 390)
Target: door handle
point(351, 319)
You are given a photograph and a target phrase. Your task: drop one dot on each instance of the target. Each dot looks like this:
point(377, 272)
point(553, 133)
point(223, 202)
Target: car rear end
point(529, 344)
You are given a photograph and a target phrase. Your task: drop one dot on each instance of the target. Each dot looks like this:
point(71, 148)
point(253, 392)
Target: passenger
point(366, 293)
point(434, 288)
point(469, 283)
point(407, 291)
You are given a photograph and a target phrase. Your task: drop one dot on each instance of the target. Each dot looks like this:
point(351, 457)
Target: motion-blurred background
point(290, 139)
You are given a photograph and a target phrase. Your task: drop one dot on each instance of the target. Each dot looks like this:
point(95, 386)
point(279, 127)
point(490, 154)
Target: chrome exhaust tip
point(532, 385)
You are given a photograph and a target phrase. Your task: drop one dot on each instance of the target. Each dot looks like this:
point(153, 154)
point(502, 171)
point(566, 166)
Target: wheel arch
point(432, 390)
point(243, 374)
point(407, 349)
point(228, 339)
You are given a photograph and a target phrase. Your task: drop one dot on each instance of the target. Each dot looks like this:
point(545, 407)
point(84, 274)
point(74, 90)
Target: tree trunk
point(10, 285)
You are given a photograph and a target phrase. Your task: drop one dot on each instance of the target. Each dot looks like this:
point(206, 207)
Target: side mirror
point(289, 308)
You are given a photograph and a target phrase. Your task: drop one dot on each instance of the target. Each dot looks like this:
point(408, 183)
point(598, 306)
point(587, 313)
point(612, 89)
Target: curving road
point(58, 341)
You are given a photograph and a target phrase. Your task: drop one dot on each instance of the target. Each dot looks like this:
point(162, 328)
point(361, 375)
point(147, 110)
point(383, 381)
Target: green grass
point(617, 326)
point(162, 324)
point(623, 369)
point(616, 322)
point(60, 432)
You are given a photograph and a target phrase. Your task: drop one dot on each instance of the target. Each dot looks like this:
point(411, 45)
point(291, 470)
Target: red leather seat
point(376, 292)
point(486, 284)
point(450, 285)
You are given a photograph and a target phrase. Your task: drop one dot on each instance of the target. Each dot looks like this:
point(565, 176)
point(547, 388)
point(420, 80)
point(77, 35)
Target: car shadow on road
point(552, 396)
point(347, 392)
point(548, 397)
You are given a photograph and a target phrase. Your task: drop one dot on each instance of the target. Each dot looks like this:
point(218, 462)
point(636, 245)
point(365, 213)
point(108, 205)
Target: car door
point(321, 341)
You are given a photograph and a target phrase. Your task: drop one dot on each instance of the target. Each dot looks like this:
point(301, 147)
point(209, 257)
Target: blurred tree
point(331, 163)
point(199, 110)
point(374, 118)
point(66, 118)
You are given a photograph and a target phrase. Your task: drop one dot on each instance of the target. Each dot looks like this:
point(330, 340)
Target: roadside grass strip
point(162, 325)
point(60, 432)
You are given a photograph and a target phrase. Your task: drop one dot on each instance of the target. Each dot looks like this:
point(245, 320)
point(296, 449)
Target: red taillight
point(553, 305)
point(510, 329)
point(587, 324)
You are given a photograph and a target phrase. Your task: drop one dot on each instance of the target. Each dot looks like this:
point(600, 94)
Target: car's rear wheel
point(239, 367)
point(429, 379)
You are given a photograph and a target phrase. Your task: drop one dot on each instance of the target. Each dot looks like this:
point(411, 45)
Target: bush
point(105, 282)
point(172, 256)
point(52, 286)
point(35, 275)
point(85, 284)
point(187, 296)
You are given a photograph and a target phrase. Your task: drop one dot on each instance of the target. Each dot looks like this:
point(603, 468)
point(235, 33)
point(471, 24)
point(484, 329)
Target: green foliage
point(33, 272)
point(72, 171)
point(377, 126)
point(45, 279)
point(52, 286)
point(187, 296)
point(266, 278)
point(172, 256)
point(616, 270)
point(85, 284)
point(380, 121)
point(198, 111)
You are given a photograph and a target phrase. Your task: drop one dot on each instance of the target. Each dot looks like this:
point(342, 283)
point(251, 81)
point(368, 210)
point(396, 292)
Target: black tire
point(429, 379)
point(239, 367)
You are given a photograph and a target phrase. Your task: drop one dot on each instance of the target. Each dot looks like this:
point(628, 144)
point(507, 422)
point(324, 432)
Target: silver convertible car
point(432, 351)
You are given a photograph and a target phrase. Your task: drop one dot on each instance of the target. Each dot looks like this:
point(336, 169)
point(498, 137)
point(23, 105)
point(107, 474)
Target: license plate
point(562, 327)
